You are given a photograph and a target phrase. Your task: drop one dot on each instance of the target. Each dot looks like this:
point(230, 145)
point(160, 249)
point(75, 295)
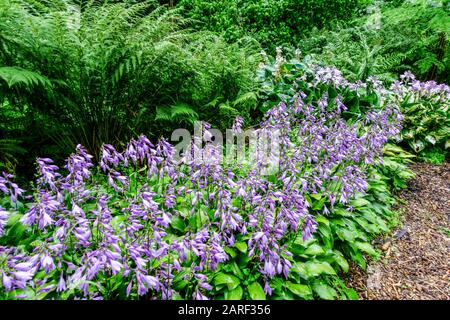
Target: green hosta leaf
point(314, 250)
point(318, 205)
point(241, 246)
point(226, 279)
point(358, 203)
point(178, 224)
point(351, 294)
point(340, 260)
point(256, 291)
point(322, 220)
point(324, 291)
point(342, 212)
point(236, 270)
point(235, 294)
point(346, 234)
point(231, 252)
point(370, 228)
point(300, 290)
point(366, 247)
point(316, 268)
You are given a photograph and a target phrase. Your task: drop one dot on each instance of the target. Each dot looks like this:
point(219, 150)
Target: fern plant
point(396, 38)
point(94, 73)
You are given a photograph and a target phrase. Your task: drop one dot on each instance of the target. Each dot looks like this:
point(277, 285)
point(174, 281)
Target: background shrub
point(271, 22)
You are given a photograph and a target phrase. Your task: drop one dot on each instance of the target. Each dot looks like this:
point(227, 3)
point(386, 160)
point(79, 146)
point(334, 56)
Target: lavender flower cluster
point(141, 221)
point(412, 90)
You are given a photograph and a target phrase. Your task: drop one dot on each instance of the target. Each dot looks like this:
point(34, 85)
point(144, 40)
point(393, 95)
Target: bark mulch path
point(415, 264)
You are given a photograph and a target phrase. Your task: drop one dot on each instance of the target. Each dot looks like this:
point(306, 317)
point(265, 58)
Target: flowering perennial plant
point(143, 225)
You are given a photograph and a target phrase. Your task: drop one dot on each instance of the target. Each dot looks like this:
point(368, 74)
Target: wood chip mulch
point(415, 260)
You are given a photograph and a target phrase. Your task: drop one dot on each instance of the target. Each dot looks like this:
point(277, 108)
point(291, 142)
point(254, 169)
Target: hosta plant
point(144, 224)
point(426, 107)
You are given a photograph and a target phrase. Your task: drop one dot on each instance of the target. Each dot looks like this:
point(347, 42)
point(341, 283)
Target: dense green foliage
point(393, 39)
point(271, 22)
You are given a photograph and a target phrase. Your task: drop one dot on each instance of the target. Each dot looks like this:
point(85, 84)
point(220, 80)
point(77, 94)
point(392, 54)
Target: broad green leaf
point(360, 202)
point(226, 279)
point(178, 224)
point(324, 291)
point(316, 268)
point(341, 261)
point(300, 290)
point(235, 294)
point(241, 246)
point(256, 292)
point(366, 247)
point(314, 250)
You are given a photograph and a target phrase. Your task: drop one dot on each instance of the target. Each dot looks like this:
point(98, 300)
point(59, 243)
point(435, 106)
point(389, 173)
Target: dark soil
point(415, 262)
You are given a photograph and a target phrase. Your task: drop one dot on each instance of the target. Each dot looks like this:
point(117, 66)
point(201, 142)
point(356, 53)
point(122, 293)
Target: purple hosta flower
point(146, 282)
point(42, 212)
point(267, 289)
point(21, 277)
point(110, 158)
point(139, 150)
point(47, 173)
point(10, 188)
point(376, 83)
point(4, 182)
point(3, 220)
point(116, 266)
point(217, 253)
point(198, 243)
point(23, 274)
point(407, 75)
point(265, 242)
point(16, 268)
point(199, 296)
point(83, 232)
point(170, 198)
point(148, 202)
point(61, 284)
point(323, 103)
point(309, 227)
point(207, 135)
point(237, 125)
point(78, 165)
point(47, 262)
point(47, 288)
point(114, 177)
point(329, 75)
point(340, 107)
point(358, 84)
point(299, 104)
point(7, 281)
point(165, 151)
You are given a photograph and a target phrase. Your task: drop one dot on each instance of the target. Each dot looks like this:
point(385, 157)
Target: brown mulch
point(415, 263)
